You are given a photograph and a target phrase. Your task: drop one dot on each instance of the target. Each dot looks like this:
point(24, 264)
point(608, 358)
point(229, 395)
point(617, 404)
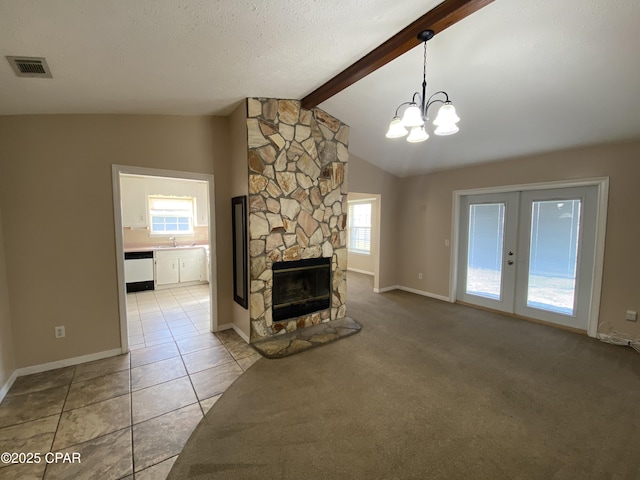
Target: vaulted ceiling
point(526, 76)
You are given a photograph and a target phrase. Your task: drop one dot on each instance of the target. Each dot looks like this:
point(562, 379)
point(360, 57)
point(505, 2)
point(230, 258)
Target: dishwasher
point(138, 271)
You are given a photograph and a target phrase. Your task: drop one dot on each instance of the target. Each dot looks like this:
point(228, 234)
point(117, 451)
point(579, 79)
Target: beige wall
point(59, 239)
point(366, 178)
point(426, 215)
point(7, 359)
point(239, 187)
point(56, 197)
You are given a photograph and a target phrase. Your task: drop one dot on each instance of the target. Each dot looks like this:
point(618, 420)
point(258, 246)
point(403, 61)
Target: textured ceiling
point(185, 57)
point(526, 76)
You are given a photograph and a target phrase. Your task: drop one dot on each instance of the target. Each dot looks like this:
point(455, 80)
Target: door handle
point(510, 262)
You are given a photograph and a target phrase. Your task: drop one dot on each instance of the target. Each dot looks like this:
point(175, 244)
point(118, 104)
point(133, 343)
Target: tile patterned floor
point(128, 416)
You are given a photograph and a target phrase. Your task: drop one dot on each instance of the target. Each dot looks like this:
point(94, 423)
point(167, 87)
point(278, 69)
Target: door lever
point(510, 262)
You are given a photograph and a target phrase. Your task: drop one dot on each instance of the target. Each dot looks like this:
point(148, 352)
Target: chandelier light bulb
point(443, 130)
point(412, 116)
point(446, 120)
point(446, 115)
point(396, 129)
point(418, 134)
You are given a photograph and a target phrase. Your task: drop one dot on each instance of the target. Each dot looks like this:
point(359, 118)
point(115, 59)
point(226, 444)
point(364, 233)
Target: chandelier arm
point(432, 100)
point(404, 103)
point(437, 93)
point(437, 100)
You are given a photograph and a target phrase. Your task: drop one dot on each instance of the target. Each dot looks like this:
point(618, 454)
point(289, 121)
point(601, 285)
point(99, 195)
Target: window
point(359, 227)
point(171, 215)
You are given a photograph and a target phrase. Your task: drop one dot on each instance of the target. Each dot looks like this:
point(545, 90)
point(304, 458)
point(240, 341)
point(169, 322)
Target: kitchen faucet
point(174, 241)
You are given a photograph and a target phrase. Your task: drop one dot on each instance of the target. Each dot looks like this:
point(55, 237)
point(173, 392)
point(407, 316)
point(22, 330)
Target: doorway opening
point(536, 251)
point(165, 248)
point(363, 235)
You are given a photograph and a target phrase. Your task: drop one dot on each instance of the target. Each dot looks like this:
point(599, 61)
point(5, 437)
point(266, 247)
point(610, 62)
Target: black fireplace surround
point(301, 287)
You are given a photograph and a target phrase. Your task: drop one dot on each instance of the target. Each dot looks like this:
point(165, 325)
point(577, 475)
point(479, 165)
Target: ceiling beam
point(444, 15)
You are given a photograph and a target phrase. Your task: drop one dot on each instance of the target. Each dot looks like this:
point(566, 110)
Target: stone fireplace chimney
point(297, 206)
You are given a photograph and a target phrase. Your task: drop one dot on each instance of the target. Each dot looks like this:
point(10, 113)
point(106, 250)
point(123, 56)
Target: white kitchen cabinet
point(180, 265)
point(133, 196)
point(191, 269)
point(167, 270)
point(202, 205)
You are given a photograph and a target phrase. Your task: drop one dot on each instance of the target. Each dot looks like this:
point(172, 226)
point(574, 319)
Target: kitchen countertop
point(163, 247)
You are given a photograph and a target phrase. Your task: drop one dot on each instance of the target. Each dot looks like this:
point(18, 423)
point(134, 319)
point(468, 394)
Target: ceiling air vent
point(35, 67)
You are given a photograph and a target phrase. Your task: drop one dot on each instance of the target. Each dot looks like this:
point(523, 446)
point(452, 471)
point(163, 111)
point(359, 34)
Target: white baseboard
point(8, 384)
point(224, 326)
point(386, 289)
point(412, 290)
point(425, 294)
point(67, 362)
point(180, 285)
point(241, 333)
point(357, 270)
point(228, 326)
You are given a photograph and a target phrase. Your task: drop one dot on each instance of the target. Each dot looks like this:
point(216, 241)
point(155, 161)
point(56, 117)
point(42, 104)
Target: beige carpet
point(428, 390)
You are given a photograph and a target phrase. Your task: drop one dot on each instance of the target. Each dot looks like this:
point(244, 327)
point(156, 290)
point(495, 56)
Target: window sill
point(359, 252)
point(172, 234)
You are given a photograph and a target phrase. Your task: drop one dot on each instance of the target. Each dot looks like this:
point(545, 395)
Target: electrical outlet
point(59, 331)
point(419, 276)
point(446, 242)
point(631, 316)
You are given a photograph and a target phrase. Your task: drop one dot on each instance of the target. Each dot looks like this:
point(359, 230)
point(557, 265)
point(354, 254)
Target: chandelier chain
point(424, 63)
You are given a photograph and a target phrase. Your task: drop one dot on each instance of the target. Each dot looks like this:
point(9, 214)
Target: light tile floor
point(127, 416)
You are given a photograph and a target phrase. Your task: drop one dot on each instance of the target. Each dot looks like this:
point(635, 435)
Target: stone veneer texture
point(297, 203)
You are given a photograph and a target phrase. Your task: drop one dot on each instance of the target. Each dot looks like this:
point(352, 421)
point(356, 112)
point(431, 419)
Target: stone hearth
point(306, 338)
point(297, 204)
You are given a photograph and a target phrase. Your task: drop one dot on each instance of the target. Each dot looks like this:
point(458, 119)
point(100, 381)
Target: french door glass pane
point(484, 258)
point(553, 255)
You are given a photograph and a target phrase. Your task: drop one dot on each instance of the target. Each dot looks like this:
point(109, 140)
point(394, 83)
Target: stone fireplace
point(297, 216)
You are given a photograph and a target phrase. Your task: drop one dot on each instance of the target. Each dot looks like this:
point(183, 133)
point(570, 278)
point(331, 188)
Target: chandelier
point(415, 115)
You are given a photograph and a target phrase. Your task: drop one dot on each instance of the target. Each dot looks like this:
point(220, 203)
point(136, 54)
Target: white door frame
point(601, 224)
point(116, 170)
point(375, 199)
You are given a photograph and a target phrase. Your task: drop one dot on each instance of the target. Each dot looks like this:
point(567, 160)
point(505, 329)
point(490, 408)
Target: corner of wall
point(7, 354)
point(239, 187)
point(367, 178)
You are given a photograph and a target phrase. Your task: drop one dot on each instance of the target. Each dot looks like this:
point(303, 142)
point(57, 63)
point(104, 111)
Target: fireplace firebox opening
point(301, 287)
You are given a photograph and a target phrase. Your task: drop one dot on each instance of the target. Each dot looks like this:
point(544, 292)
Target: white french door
point(488, 235)
point(530, 253)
